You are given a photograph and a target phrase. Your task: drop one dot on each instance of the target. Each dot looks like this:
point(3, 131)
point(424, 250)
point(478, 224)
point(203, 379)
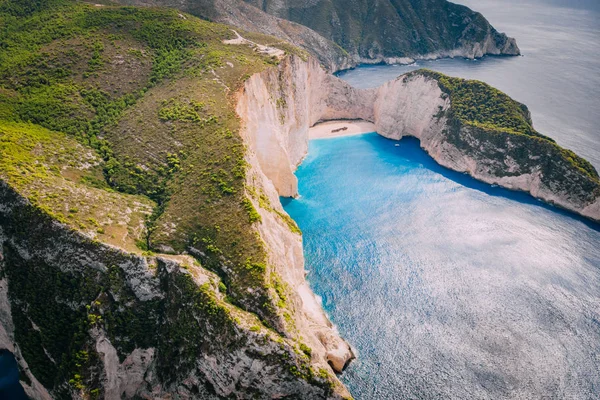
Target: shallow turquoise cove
point(447, 287)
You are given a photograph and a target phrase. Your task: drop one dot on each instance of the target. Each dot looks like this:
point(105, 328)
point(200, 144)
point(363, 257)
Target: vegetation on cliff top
point(115, 116)
point(477, 104)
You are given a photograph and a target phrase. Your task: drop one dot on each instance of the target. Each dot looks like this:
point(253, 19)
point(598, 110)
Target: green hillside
point(120, 123)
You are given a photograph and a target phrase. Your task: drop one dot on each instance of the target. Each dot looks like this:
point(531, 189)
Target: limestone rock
point(411, 105)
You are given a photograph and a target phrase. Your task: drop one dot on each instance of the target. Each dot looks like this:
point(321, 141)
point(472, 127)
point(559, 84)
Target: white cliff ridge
point(279, 106)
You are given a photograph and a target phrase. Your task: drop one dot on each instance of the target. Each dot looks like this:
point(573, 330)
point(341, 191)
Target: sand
point(336, 129)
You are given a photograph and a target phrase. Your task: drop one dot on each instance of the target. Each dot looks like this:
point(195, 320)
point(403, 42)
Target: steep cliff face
point(464, 125)
point(409, 109)
point(143, 252)
point(396, 31)
point(278, 106)
point(306, 320)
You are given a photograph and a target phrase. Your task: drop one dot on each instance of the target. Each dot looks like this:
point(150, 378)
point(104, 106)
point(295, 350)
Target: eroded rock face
point(287, 259)
point(137, 327)
point(279, 105)
point(409, 108)
point(33, 388)
point(411, 105)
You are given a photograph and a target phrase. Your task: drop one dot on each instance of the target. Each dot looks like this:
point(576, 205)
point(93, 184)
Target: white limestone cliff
point(287, 259)
point(278, 107)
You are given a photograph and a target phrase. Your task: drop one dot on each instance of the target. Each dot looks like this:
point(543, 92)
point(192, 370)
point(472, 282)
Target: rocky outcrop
point(133, 326)
point(514, 159)
point(33, 388)
point(278, 107)
point(402, 109)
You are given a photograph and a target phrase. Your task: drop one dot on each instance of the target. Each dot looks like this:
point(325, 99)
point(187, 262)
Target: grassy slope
point(64, 178)
point(120, 111)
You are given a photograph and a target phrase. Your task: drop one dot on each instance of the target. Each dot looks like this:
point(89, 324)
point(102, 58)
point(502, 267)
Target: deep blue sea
point(10, 388)
point(446, 287)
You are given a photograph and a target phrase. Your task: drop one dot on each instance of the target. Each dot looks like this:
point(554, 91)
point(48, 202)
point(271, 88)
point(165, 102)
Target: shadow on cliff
point(410, 149)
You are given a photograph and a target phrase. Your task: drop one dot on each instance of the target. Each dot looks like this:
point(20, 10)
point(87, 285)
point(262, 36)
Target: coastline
point(338, 128)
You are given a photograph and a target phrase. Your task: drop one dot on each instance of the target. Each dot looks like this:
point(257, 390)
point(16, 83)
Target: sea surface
point(448, 288)
point(558, 76)
point(10, 388)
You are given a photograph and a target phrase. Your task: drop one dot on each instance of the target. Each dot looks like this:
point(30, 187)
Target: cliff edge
point(143, 252)
point(466, 126)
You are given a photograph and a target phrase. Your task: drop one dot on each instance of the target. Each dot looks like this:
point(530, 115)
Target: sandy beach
point(331, 129)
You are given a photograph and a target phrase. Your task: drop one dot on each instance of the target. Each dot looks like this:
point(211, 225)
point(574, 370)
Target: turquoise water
point(447, 287)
